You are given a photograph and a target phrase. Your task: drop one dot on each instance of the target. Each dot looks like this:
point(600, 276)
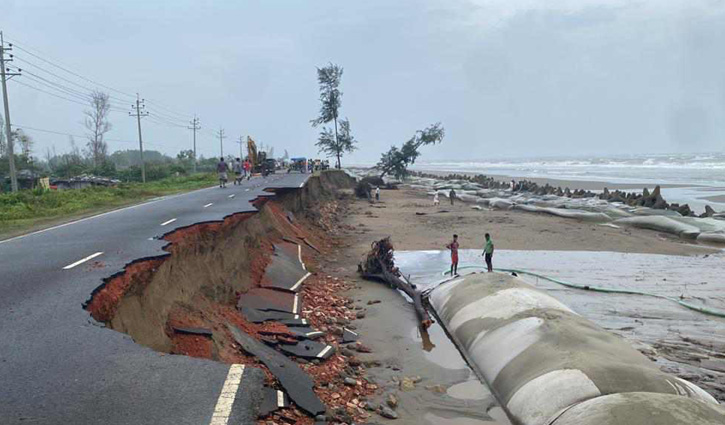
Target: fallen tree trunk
point(379, 265)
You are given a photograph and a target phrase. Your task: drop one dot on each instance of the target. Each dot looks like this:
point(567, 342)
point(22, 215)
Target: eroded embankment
point(207, 264)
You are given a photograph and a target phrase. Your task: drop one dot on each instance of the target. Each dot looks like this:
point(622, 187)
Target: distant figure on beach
point(436, 201)
point(488, 252)
point(452, 195)
point(453, 246)
point(377, 193)
point(221, 168)
point(513, 184)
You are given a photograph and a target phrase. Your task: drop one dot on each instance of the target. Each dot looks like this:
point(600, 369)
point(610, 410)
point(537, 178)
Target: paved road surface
point(59, 366)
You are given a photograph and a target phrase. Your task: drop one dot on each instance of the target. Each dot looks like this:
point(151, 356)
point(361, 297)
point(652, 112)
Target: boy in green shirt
point(488, 252)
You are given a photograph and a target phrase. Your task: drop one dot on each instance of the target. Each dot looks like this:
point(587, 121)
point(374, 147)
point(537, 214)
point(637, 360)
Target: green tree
point(329, 78)
point(396, 161)
point(337, 144)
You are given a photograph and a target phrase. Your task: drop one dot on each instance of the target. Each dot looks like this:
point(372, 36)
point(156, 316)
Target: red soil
point(104, 302)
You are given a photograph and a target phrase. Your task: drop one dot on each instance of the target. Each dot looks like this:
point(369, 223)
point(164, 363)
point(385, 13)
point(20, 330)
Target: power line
point(88, 89)
point(68, 70)
point(43, 130)
point(158, 104)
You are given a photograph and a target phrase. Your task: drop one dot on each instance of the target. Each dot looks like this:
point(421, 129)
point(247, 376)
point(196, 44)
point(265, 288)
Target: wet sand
point(448, 392)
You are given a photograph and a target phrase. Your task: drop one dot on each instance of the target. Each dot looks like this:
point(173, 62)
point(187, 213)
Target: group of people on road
point(487, 254)
point(241, 169)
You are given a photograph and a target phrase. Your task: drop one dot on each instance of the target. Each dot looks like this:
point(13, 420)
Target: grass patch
point(28, 209)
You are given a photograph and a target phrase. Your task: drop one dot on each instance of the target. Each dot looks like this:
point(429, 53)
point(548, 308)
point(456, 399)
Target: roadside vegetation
point(28, 209)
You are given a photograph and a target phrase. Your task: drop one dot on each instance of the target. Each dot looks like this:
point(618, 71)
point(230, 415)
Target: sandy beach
point(445, 389)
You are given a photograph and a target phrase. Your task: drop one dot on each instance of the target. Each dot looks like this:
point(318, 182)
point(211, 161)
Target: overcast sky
point(505, 77)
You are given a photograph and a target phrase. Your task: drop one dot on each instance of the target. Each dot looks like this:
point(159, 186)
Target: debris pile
point(379, 265)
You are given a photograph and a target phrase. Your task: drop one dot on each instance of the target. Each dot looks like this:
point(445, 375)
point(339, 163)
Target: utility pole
point(4, 76)
point(138, 112)
point(195, 126)
point(241, 142)
point(221, 136)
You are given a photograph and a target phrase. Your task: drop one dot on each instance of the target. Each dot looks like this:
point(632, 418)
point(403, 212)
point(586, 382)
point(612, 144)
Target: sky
point(506, 78)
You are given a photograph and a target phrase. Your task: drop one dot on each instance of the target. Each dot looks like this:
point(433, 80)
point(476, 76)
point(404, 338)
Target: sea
point(694, 179)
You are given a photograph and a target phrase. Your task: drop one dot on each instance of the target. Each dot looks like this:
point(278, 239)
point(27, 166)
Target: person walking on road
point(377, 193)
point(221, 168)
point(453, 246)
point(238, 171)
point(488, 252)
point(452, 195)
point(248, 169)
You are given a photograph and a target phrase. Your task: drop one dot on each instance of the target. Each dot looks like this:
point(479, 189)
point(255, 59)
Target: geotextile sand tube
point(542, 360)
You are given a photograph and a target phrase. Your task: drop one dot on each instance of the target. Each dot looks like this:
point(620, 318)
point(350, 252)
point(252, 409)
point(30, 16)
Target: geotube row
point(703, 310)
point(547, 365)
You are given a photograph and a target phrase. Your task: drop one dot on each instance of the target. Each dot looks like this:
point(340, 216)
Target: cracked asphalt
point(59, 366)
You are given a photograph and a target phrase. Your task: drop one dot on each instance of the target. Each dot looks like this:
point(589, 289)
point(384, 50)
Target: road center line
point(90, 257)
point(232, 195)
point(208, 205)
point(168, 222)
point(223, 409)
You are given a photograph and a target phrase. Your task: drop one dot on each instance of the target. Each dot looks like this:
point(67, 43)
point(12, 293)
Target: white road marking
point(224, 404)
point(280, 398)
point(208, 205)
point(168, 222)
point(294, 305)
point(90, 257)
point(299, 282)
point(232, 195)
point(324, 351)
point(299, 254)
point(152, 201)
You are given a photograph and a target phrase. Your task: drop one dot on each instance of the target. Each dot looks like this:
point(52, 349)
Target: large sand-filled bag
point(717, 238)
point(540, 358)
point(661, 224)
point(642, 408)
point(595, 217)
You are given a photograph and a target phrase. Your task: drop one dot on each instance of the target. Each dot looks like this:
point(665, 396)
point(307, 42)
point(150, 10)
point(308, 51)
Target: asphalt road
point(59, 366)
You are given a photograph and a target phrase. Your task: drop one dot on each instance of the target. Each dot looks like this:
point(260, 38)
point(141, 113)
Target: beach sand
point(398, 215)
point(447, 391)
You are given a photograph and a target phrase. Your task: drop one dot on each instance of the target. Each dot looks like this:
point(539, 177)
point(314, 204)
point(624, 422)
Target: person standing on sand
point(452, 195)
point(377, 193)
point(221, 168)
point(453, 246)
point(488, 252)
point(436, 201)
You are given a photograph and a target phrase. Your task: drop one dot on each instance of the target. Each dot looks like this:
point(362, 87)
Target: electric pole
point(4, 76)
point(221, 136)
point(241, 142)
point(138, 112)
point(195, 126)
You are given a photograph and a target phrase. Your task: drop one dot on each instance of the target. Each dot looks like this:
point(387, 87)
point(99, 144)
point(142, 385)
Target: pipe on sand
point(549, 366)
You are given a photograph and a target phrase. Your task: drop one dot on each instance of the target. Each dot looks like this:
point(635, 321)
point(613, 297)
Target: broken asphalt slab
point(192, 331)
point(269, 299)
point(285, 271)
point(272, 400)
point(259, 316)
point(309, 350)
point(294, 380)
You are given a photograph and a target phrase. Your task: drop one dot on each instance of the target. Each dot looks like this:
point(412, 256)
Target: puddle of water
point(439, 349)
point(469, 390)
point(499, 415)
point(439, 420)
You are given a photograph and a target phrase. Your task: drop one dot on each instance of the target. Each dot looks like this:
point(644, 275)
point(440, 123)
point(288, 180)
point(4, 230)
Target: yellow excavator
point(258, 159)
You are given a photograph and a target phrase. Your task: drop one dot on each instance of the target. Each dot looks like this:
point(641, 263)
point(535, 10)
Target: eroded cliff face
point(209, 265)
